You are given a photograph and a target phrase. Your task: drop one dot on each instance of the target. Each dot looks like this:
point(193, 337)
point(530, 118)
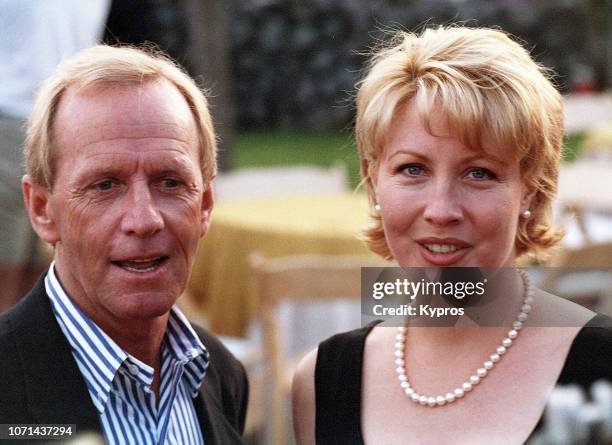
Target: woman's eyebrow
point(486, 157)
point(468, 159)
point(407, 151)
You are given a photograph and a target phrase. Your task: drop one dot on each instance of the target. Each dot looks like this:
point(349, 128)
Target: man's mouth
point(141, 265)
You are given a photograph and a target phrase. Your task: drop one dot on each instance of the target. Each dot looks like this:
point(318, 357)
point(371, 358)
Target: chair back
point(299, 279)
point(595, 256)
point(582, 275)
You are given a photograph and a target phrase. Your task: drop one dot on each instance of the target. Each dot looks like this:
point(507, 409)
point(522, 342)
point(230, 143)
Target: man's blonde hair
point(106, 65)
point(487, 85)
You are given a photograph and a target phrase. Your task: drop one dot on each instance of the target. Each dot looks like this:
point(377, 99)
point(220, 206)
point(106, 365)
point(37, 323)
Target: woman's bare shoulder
point(304, 373)
point(303, 399)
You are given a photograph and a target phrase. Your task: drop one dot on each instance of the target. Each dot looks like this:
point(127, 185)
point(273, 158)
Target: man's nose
point(442, 205)
point(141, 215)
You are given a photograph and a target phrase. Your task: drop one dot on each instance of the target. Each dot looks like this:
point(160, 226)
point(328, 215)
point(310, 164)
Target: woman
point(459, 133)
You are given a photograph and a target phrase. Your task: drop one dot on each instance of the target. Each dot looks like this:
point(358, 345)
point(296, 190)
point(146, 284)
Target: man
point(120, 157)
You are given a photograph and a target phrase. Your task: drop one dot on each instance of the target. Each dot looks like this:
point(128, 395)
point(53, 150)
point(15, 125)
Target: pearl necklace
point(481, 373)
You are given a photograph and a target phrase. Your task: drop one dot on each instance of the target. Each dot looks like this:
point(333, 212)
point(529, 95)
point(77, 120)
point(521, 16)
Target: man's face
point(129, 204)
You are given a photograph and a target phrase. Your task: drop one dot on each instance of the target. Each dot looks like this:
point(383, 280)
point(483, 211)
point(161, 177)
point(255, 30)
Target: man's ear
point(208, 202)
point(37, 201)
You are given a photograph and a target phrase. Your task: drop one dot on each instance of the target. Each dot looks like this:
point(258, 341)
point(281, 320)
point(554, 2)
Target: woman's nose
point(442, 206)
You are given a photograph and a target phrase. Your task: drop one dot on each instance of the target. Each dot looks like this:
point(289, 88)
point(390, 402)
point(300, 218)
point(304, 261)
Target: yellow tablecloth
point(220, 282)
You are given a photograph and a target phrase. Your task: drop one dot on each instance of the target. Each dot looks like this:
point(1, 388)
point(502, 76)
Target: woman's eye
point(413, 170)
point(481, 173)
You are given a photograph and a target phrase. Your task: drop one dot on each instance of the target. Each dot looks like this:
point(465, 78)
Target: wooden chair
point(583, 193)
point(588, 268)
point(297, 279)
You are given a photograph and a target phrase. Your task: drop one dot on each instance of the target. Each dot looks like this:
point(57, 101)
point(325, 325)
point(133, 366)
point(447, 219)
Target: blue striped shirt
point(120, 384)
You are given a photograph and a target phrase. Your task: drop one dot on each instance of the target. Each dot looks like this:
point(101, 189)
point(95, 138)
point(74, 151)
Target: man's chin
point(144, 306)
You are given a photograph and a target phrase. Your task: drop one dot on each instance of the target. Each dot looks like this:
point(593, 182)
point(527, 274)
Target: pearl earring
point(526, 214)
point(377, 207)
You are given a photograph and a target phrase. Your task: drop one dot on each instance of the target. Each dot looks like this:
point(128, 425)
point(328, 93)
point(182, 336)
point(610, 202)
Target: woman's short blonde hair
point(487, 85)
point(106, 65)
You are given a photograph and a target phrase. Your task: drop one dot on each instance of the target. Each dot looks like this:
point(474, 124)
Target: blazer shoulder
point(12, 383)
point(221, 358)
point(16, 326)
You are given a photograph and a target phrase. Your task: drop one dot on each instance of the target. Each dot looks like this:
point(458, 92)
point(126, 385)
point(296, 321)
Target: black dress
point(340, 359)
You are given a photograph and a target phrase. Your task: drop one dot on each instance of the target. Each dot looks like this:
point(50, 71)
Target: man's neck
point(143, 340)
point(139, 338)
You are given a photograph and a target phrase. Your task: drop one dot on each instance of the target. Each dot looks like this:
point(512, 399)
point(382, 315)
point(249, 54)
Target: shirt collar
point(99, 358)
point(184, 345)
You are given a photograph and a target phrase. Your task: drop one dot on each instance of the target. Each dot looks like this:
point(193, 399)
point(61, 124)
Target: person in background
point(36, 35)
point(120, 160)
point(459, 134)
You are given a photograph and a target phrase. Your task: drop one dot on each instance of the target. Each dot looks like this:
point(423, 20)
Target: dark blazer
point(40, 381)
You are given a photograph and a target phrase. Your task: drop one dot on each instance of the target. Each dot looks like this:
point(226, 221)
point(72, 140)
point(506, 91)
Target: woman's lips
point(441, 254)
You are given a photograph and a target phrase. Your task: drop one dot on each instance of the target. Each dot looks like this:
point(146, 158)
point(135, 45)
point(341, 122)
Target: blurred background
point(282, 72)
point(281, 76)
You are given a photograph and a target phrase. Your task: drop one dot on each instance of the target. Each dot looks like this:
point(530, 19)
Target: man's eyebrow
point(178, 169)
point(171, 165)
point(90, 171)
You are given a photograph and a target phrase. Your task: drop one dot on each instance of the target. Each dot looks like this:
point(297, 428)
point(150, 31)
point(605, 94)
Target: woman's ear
point(38, 203)
point(528, 194)
point(370, 173)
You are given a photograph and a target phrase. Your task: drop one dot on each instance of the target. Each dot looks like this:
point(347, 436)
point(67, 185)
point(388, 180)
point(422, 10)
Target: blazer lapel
point(55, 389)
point(215, 427)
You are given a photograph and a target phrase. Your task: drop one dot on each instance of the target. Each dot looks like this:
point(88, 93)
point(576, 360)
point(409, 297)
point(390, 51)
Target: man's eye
point(170, 183)
point(481, 174)
point(413, 170)
point(105, 185)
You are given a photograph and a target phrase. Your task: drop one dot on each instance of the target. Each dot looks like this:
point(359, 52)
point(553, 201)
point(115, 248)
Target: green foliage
point(571, 146)
point(323, 148)
point(291, 147)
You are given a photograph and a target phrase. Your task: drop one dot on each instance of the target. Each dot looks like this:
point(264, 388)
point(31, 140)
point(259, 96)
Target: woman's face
point(443, 204)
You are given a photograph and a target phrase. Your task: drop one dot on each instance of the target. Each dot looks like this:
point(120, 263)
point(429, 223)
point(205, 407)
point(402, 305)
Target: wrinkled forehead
point(125, 102)
point(104, 113)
